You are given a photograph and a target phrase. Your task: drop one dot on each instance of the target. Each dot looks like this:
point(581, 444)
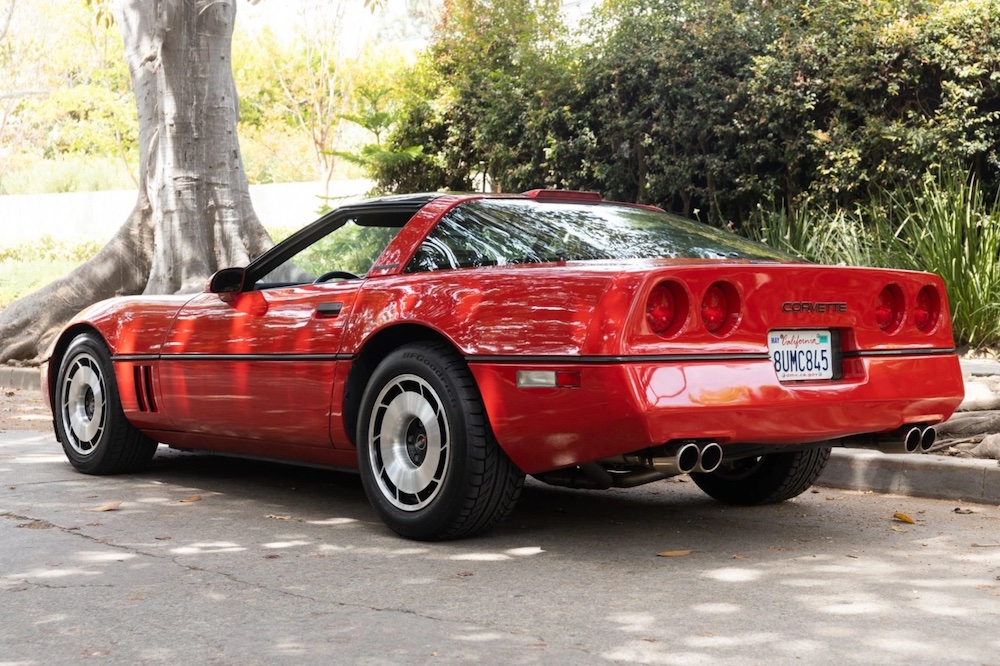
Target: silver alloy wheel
point(410, 442)
point(83, 404)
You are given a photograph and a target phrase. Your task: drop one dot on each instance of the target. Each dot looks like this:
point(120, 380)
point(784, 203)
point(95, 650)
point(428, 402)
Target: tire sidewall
point(440, 514)
point(97, 459)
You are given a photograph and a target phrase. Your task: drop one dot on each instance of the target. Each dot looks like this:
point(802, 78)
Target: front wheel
point(429, 463)
point(766, 479)
point(90, 423)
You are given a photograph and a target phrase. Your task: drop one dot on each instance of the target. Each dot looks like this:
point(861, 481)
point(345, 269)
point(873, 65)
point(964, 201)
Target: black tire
point(429, 462)
point(767, 479)
point(90, 423)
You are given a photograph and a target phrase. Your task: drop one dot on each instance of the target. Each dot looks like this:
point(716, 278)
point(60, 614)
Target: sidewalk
point(934, 476)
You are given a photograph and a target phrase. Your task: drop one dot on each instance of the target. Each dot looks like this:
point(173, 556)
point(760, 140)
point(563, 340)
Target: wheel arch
point(58, 351)
point(376, 348)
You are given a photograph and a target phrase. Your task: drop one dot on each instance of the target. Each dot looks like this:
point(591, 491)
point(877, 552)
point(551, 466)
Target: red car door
point(259, 365)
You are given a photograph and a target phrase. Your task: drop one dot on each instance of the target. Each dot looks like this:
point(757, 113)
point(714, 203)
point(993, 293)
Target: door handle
point(329, 310)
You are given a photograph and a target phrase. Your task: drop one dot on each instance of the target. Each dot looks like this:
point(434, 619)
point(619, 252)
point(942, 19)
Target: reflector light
point(661, 309)
point(714, 308)
point(548, 379)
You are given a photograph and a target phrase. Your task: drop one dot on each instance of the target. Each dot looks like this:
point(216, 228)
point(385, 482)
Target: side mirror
point(227, 281)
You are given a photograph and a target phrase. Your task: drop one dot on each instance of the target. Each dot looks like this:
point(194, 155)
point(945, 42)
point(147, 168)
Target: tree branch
point(7, 19)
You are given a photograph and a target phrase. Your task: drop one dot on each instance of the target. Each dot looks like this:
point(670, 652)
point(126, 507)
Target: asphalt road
point(207, 560)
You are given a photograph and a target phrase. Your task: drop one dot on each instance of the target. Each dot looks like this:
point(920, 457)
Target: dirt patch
point(23, 410)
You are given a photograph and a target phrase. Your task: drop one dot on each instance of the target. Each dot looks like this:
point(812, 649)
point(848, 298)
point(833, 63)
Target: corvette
point(447, 345)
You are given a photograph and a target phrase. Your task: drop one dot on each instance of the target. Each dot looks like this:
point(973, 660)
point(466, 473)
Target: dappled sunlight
point(482, 636)
point(332, 522)
point(207, 548)
point(285, 544)
point(509, 554)
point(740, 640)
point(734, 575)
point(716, 608)
point(51, 573)
point(363, 550)
point(97, 557)
point(634, 622)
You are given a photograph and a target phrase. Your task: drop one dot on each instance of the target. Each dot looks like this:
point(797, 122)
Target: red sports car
point(447, 345)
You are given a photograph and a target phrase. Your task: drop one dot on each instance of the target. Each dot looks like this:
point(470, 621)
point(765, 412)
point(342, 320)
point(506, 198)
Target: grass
point(28, 266)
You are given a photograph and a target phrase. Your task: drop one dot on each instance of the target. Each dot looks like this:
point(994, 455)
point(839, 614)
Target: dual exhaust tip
point(690, 457)
point(909, 439)
point(919, 440)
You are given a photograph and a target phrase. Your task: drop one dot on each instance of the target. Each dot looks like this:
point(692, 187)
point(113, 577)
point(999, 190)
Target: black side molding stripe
point(598, 360)
point(232, 357)
point(686, 358)
point(899, 352)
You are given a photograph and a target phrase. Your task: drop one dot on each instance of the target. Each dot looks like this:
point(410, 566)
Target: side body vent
point(144, 394)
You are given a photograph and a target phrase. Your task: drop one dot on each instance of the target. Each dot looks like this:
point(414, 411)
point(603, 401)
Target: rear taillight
point(889, 308)
point(927, 309)
point(666, 308)
point(720, 308)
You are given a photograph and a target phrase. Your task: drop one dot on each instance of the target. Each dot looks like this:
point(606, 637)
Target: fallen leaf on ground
point(110, 506)
point(275, 517)
point(193, 498)
point(960, 510)
point(903, 518)
point(674, 553)
point(897, 528)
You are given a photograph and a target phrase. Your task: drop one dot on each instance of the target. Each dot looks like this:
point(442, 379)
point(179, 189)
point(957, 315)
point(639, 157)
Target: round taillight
point(714, 308)
point(661, 309)
point(720, 308)
point(927, 309)
point(889, 309)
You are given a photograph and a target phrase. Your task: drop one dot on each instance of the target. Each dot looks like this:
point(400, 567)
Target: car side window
point(350, 249)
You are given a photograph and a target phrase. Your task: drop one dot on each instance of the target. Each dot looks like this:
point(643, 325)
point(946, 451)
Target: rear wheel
point(765, 479)
point(90, 423)
point(428, 460)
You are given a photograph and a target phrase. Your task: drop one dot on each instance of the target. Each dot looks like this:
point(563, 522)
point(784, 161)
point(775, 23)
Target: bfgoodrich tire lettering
point(90, 423)
point(766, 479)
point(429, 463)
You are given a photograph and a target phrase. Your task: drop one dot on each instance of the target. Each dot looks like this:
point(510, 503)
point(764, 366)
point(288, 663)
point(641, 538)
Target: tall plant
point(947, 224)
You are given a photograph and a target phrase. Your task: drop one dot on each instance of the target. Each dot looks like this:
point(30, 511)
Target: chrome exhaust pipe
point(684, 460)
point(709, 458)
point(911, 443)
point(927, 439)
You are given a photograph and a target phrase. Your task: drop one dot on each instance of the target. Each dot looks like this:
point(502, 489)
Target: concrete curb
point(938, 477)
point(26, 379)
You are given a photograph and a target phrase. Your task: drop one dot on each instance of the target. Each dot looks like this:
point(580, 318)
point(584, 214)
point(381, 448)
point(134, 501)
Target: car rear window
point(499, 232)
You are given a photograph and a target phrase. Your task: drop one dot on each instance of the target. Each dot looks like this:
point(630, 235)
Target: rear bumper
point(624, 407)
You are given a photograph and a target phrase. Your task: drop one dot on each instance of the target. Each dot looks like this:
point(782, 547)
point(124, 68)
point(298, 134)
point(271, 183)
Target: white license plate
point(801, 355)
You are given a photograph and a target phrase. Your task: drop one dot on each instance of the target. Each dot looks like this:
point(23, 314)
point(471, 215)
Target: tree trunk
point(193, 214)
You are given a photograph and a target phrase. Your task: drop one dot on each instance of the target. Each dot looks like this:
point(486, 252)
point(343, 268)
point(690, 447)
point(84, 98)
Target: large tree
point(193, 213)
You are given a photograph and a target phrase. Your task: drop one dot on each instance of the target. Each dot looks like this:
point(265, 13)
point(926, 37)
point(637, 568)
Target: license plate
point(801, 355)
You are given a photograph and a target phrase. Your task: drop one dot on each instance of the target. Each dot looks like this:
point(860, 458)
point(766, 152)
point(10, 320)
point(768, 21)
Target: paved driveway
point(207, 560)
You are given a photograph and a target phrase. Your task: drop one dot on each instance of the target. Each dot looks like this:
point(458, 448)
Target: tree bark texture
point(193, 214)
